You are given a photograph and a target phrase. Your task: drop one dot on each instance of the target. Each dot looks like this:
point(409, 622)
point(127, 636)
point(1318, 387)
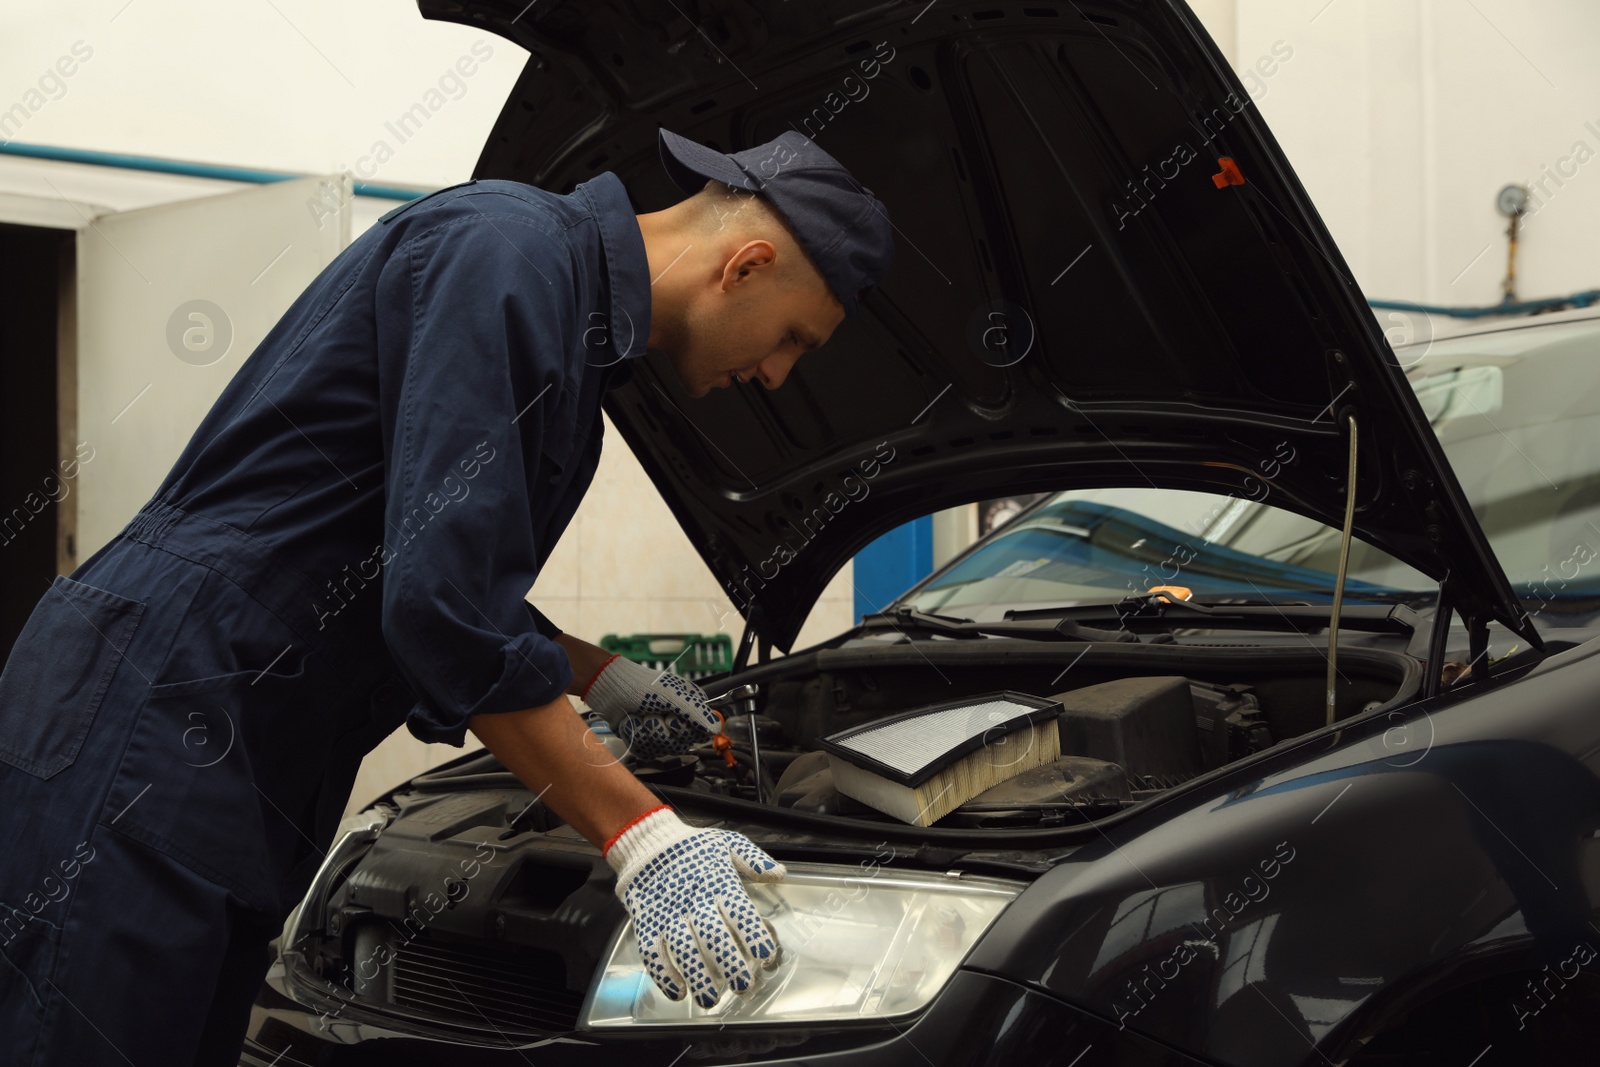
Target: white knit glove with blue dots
point(654, 712)
point(698, 930)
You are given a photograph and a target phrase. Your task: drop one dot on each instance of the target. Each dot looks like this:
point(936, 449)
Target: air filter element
point(920, 765)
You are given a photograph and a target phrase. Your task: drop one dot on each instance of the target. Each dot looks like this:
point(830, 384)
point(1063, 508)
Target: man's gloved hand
point(682, 885)
point(654, 712)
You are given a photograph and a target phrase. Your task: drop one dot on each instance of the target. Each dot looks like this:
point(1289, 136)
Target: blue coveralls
point(344, 544)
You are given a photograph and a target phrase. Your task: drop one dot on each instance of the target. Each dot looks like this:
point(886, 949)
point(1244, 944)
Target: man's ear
point(756, 255)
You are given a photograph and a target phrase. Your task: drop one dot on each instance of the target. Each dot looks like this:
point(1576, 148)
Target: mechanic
point(346, 543)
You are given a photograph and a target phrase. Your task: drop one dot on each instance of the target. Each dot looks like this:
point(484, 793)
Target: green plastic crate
point(693, 656)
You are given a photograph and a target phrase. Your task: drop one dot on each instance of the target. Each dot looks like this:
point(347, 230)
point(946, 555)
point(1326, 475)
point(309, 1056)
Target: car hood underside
point(1106, 274)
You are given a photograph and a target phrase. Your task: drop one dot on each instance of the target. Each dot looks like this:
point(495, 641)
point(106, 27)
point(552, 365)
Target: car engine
point(1135, 721)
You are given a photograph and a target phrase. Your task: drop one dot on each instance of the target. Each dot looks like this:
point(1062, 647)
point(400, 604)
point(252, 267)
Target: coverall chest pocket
point(58, 673)
point(213, 771)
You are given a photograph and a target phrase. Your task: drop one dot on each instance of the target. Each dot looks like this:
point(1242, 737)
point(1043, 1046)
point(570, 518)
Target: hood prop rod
point(747, 640)
point(1438, 639)
point(1344, 563)
point(752, 638)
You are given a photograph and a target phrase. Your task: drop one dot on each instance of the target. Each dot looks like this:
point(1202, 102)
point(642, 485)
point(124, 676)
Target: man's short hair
point(720, 204)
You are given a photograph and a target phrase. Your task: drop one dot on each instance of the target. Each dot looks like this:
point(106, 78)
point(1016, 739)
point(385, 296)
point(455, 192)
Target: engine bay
point(1135, 721)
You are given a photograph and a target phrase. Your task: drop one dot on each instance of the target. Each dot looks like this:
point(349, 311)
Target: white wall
point(289, 85)
point(1404, 118)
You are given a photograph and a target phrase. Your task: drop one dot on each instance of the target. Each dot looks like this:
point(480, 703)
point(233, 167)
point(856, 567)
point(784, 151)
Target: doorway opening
point(37, 506)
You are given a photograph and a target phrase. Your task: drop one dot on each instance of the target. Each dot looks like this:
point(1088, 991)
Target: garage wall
point(291, 85)
point(1405, 117)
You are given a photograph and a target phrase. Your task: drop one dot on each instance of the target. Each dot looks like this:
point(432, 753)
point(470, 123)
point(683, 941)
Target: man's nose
point(774, 369)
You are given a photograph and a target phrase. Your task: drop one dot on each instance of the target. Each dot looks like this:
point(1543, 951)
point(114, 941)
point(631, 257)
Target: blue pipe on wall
point(1524, 307)
point(191, 170)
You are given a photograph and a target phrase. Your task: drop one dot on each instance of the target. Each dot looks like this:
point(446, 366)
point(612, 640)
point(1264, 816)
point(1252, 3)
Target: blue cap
point(841, 225)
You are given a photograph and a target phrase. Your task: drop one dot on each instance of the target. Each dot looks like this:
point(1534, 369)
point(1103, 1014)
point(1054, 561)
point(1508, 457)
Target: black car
point(1320, 612)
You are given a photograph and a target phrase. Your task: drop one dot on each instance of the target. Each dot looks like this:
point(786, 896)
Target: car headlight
point(854, 946)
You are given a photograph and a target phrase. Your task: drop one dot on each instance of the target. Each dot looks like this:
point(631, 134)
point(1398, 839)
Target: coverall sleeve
point(474, 318)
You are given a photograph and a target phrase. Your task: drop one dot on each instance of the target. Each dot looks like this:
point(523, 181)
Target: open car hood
point(1084, 292)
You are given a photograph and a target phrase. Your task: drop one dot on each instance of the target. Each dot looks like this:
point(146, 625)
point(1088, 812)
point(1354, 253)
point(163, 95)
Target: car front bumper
point(978, 1020)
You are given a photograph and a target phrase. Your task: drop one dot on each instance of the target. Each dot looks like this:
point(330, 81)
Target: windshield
point(1517, 411)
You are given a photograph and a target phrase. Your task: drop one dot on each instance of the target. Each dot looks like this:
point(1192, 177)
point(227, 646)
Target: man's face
point(751, 326)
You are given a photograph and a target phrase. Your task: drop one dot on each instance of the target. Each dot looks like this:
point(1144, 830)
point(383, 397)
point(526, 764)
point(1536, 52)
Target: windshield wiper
point(1157, 613)
point(904, 618)
point(1124, 620)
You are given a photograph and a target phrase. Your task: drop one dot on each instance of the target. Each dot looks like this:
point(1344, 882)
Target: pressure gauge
point(1512, 201)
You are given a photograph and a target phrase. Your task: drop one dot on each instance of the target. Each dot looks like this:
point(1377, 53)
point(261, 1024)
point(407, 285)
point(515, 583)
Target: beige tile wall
point(622, 566)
